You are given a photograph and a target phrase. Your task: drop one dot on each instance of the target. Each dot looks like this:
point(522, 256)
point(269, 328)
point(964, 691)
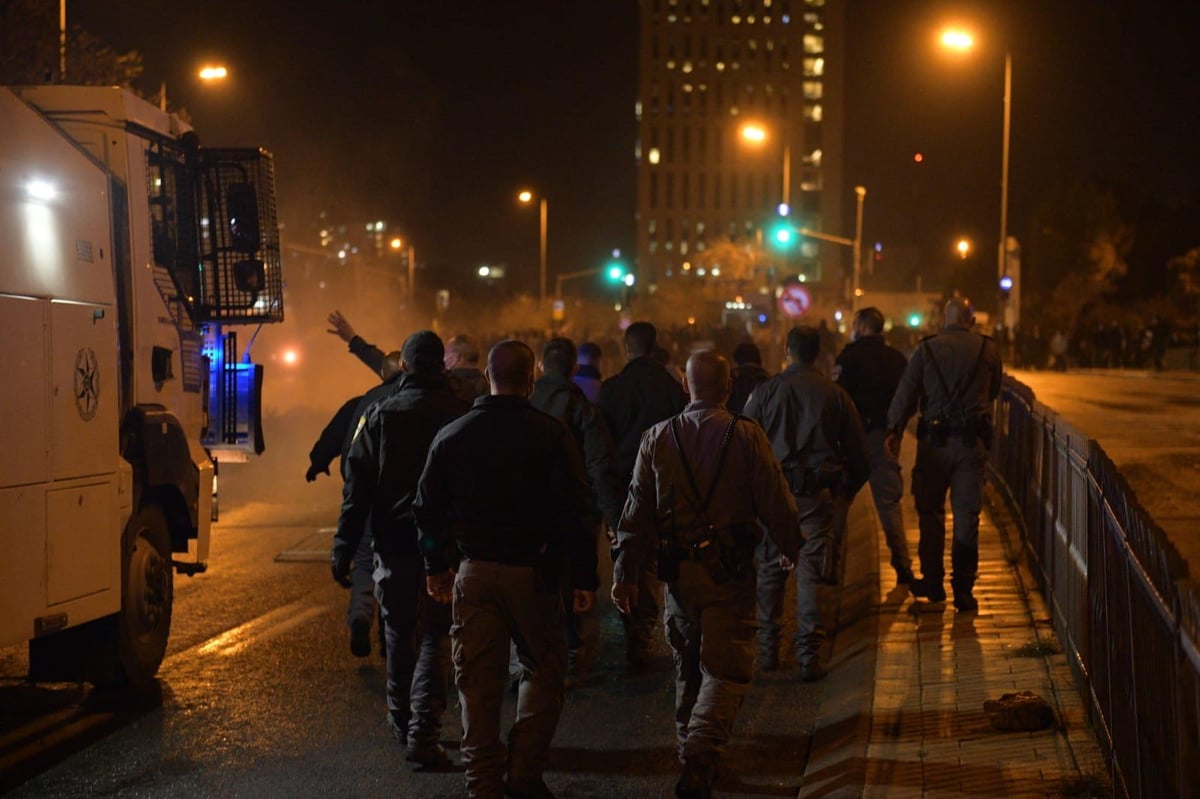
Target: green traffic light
point(616, 272)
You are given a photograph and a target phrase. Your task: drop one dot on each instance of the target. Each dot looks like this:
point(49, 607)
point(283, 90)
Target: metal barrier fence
point(1124, 608)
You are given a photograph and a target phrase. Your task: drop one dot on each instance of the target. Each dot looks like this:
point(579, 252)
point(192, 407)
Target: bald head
point(959, 313)
point(510, 368)
point(707, 376)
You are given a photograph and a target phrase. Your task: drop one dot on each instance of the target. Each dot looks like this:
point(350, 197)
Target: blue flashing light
point(762, 318)
point(1006, 283)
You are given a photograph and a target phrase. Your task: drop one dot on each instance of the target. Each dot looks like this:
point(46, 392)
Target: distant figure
point(588, 376)
point(462, 363)
point(748, 373)
point(663, 356)
point(555, 394)
point(634, 400)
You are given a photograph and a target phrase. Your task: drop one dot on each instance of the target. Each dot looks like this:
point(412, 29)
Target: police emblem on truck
point(87, 383)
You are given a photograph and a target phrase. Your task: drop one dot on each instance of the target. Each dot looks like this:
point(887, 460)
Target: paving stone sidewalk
point(902, 712)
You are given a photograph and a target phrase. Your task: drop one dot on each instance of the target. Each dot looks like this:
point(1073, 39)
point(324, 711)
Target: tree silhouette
point(29, 50)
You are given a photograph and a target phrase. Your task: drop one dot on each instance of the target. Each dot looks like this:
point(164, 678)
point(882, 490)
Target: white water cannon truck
point(129, 256)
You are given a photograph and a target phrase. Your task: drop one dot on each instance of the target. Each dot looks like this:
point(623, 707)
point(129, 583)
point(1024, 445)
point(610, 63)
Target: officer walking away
point(870, 370)
point(383, 465)
point(640, 396)
point(703, 482)
point(819, 441)
point(341, 429)
point(504, 486)
point(953, 377)
point(555, 393)
point(588, 376)
point(462, 362)
point(748, 373)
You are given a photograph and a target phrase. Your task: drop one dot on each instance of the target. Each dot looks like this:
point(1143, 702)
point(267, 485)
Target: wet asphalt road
point(260, 696)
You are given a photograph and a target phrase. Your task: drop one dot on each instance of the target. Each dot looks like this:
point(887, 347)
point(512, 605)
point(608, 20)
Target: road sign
point(795, 300)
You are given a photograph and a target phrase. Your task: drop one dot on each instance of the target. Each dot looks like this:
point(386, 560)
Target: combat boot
point(926, 588)
point(696, 780)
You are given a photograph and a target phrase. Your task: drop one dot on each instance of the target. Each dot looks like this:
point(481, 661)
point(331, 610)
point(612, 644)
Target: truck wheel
point(147, 592)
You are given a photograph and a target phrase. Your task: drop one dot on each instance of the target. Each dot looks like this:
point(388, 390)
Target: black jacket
point(870, 370)
point(505, 483)
point(746, 377)
point(469, 382)
point(633, 401)
point(335, 438)
point(385, 461)
point(565, 401)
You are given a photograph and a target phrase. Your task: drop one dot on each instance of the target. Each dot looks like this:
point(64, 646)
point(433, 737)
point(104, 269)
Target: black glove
point(313, 471)
point(340, 563)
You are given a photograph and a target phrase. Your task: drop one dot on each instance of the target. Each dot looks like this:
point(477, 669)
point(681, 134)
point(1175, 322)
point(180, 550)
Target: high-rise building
point(709, 70)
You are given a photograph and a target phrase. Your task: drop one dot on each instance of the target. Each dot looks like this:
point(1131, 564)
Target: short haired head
point(465, 348)
point(804, 343)
point(423, 352)
point(559, 357)
point(393, 364)
point(959, 313)
point(868, 321)
point(589, 353)
point(707, 376)
point(510, 367)
point(640, 338)
point(747, 352)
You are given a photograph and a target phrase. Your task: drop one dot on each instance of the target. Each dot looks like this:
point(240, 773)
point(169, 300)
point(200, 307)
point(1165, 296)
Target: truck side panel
point(25, 400)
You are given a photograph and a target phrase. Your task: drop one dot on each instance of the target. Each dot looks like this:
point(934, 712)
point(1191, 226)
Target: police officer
point(748, 373)
point(382, 467)
point(505, 487)
point(869, 369)
point(953, 377)
point(818, 439)
point(703, 481)
point(555, 393)
point(462, 362)
point(335, 441)
point(641, 395)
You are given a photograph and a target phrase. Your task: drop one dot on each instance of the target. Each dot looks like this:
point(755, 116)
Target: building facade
point(739, 110)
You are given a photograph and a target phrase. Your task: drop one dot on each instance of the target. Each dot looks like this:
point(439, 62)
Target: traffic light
point(1006, 284)
point(784, 235)
point(616, 272)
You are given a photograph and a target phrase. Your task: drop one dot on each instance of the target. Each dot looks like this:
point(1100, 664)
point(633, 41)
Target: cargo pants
point(959, 469)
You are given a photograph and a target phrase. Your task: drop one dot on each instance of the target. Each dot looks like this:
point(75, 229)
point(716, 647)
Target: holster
point(937, 430)
point(808, 481)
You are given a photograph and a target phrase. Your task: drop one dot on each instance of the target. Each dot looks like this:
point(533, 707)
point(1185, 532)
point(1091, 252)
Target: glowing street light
point(962, 41)
point(213, 72)
point(525, 196)
point(963, 248)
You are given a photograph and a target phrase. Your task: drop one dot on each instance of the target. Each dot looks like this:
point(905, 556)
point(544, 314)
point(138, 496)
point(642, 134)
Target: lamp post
point(397, 244)
point(526, 197)
point(208, 73)
point(963, 41)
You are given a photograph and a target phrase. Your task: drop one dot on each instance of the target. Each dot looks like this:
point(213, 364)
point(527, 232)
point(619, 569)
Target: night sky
point(432, 114)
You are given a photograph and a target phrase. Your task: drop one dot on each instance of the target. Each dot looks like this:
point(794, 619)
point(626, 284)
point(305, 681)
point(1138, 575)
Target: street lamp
point(756, 135)
point(962, 41)
point(526, 197)
point(209, 73)
point(963, 248)
point(396, 245)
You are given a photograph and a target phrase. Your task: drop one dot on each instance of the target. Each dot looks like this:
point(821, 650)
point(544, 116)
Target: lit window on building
point(750, 19)
point(687, 67)
point(813, 112)
point(815, 3)
point(814, 67)
point(813, 158)
point(687, 88)
point(683, 248)
point(735, 19)
point(652, 227)
point(814, 43)
point(813, 90)
point(720, 66)
point(653, 247)
point(671, 64)
point(654, 156)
